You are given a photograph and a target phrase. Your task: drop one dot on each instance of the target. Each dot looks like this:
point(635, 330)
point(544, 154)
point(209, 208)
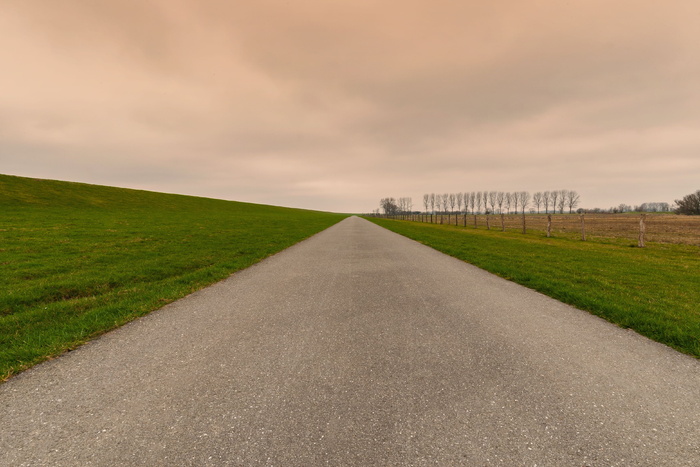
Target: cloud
point(336, 103)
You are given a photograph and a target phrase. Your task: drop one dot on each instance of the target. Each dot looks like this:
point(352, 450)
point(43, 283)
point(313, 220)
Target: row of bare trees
point(493, 202)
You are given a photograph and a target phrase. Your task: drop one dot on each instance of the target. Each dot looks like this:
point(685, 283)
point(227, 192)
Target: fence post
point(583, 228)
point(549, 225)
point(488, 225)
point(465, 217)
point(524, 230)
point(503, 224)
point(642, 230)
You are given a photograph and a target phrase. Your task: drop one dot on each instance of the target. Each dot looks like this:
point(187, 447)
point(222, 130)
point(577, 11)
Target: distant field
point(78, 259)
point(660, 227)
point(653, 290)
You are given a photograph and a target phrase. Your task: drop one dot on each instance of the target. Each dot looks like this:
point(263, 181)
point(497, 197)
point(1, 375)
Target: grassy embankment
point(653, 290)
point(77, 260)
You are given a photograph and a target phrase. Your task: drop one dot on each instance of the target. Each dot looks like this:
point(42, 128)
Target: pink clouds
point(332, 105)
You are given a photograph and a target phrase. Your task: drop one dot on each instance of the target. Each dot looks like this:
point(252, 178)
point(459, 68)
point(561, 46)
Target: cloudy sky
point(333, 104)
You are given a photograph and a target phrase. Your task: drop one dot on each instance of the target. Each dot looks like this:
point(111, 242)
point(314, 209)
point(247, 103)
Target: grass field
point(77, 260)
point(653, 290)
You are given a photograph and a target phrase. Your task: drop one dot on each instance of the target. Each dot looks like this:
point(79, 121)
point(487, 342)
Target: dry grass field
point(660, 227)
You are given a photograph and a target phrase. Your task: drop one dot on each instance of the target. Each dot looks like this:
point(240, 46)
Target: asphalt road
point(359, 347)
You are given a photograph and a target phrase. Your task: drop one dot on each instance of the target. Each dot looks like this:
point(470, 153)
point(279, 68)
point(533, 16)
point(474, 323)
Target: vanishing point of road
point(359, 347)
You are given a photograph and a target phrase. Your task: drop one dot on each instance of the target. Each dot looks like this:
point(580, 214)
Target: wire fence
point(642, 228)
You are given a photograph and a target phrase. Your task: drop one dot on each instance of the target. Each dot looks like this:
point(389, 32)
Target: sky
point(334, 104)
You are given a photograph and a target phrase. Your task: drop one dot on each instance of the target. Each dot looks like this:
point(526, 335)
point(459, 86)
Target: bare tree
point(389, 205)
point(466, 207)
point(562, 200)
point(524, 200)
point(508, 201)
point(537, 199)
point(426, 202)
point(553, 198)
point(432, 206)
point(492, 200)
point(515, 198)
point(453, 201)
point(405, 204)
point(445, 202)
point(572, 199)
point(472, 201)
point(689, 204)
point(545, 199)
point(499, 200)
point(460, 201)
point(478, 201)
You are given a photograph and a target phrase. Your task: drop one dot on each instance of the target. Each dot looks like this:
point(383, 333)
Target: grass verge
point(653, 290)
point(78, 260)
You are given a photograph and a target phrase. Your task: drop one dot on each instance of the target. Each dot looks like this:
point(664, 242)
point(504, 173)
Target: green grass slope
point(653, 290)
point(77, 260)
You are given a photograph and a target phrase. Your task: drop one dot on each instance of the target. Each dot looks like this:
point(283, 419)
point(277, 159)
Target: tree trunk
point(488, 226)
point(549, 225)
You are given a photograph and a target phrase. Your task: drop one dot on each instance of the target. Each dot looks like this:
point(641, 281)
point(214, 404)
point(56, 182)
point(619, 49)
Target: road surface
point(359, 347)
